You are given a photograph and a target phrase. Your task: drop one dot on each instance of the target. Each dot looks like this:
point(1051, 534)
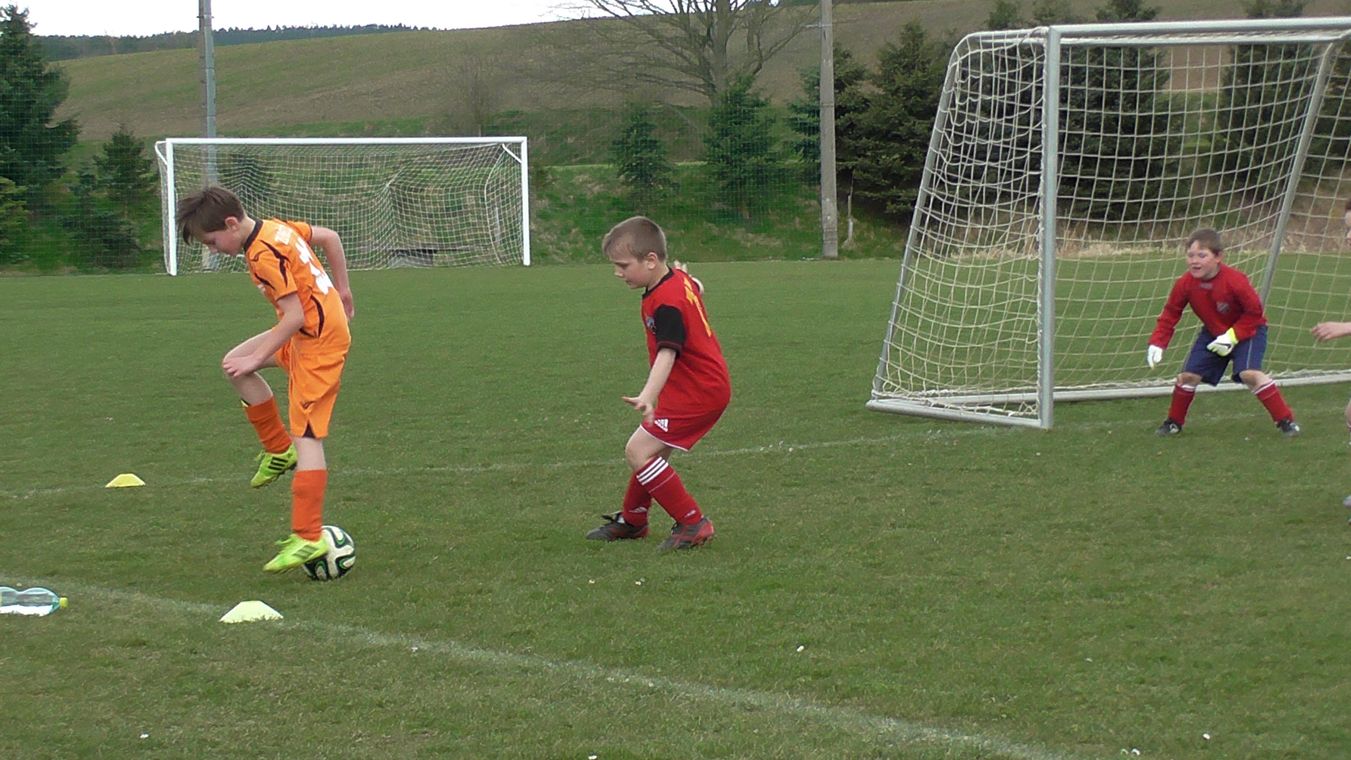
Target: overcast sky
point(144, 17)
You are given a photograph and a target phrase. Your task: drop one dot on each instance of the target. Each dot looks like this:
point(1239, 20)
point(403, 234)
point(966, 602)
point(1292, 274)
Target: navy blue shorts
point(1210, 365)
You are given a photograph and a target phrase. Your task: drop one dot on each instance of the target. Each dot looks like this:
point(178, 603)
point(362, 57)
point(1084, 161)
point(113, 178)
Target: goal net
point(395, 202)
point(1068, 165)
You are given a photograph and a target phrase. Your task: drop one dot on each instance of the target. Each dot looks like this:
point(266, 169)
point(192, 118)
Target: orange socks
point(307, 503)
point(267, 421)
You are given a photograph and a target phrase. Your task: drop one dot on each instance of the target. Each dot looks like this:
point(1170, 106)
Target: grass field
point(880, 587)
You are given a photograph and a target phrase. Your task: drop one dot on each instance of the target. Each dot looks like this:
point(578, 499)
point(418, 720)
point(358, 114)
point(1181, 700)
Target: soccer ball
point(342, 554)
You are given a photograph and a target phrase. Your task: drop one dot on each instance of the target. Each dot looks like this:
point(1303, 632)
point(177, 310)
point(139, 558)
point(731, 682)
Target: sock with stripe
point(1182, 399)
point(1270, 396)
point(662, 482)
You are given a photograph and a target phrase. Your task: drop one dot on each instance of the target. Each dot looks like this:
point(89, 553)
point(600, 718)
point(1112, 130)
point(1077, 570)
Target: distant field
point(413, 82)
point(880, 586)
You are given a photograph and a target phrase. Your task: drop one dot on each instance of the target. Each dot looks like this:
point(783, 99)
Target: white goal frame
point(514, 248)
point(1029, 237)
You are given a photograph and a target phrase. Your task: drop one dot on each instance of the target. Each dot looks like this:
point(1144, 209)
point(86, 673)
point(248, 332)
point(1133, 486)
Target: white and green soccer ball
point(342, 554)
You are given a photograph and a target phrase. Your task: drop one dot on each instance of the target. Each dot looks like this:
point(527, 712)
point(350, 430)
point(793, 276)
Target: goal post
point(1066, 167)
point(445, 201)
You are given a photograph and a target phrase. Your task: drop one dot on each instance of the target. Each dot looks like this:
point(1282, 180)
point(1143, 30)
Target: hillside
point(414, 82)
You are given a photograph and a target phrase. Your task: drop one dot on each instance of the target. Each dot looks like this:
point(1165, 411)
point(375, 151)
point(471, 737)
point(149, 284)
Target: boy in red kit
point(310, 341)
point(1233, 328)
point(687, 387)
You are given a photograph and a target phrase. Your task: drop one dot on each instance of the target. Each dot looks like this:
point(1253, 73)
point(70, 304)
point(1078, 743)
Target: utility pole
point(208, 65)
point(830, 232)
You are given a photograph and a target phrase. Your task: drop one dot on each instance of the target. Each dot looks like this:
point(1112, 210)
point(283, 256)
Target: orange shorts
point(313, 373)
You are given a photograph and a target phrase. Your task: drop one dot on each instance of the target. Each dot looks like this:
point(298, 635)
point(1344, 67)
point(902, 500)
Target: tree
point(804, 116)
point(696, 46)
point(640, 157)
point(32, 147)
point(741, 152)
point(1257, 86)
point(899, 120)
point(1126, 10)
point(1047, 12)
point(13, 216)
point(1004, 14)
point(1275, 8)
point(124, 172)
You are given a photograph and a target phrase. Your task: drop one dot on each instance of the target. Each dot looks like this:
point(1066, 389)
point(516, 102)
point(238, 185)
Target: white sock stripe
point(1258, 390)
point(653, 469)
point(1187, 388)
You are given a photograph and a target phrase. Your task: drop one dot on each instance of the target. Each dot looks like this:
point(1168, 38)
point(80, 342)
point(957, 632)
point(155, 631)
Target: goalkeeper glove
point(1153, 355)
point(1223, 344)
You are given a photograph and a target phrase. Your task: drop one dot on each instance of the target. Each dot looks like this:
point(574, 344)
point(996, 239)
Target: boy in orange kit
point(310, 341)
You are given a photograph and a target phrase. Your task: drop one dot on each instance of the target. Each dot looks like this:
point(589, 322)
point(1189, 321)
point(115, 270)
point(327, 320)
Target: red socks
point(636, 502)
point(658, 480)
point(307, 503)
point(1182, 398)
point(1270, 396)
point(267, 421)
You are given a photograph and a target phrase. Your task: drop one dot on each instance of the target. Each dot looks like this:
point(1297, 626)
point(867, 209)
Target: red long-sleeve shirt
point(1226, 300)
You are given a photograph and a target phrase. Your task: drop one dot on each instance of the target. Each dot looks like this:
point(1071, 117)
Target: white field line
point(962, 430)
point(790, 708)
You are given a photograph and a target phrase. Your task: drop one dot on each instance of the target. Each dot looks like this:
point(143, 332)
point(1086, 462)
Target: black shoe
point(615, 529)
point(1169, 428)
point(1288, 427)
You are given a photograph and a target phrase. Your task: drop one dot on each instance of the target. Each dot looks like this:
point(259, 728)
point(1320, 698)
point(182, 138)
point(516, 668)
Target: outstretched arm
point(328, 240)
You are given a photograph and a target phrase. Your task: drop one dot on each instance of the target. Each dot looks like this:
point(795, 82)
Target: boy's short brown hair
point(635, 237)
point(1208, 238)
point(206, 211)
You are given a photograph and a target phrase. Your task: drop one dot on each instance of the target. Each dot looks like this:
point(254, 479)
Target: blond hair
point(635, 237)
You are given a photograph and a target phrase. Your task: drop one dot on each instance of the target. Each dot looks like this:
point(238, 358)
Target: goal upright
point(1067, 165)
point(447, 201)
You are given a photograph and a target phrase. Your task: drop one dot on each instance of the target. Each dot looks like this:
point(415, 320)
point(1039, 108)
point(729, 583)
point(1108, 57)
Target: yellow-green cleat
point(272, 466)
point(296, 551)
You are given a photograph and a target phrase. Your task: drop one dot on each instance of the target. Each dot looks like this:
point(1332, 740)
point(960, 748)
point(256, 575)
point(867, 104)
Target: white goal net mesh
point(1157, 134)
point(447, 202)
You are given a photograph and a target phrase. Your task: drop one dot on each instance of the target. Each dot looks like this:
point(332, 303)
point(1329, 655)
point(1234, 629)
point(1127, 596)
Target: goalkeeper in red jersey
point(687, 386)
point(1233, 329)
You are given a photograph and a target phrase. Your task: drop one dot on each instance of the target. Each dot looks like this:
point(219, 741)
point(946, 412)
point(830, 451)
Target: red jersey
point(674, 317)
point(282, 263)
point(1224, 301)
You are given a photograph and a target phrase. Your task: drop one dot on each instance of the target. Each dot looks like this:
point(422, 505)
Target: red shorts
point(682, 430)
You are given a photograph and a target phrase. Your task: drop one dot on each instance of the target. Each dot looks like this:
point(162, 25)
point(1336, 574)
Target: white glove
point(1222, 345)
point(1153, 355)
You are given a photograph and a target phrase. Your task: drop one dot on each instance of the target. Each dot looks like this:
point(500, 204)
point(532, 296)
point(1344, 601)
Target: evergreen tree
point(12, 222)
point(125, 173)
point(1115, 126)
point(1004, 14)
point(640, 157)
point(32, 145)
point(804, 117)
point(899, 120)
point(741, 151)
point(1252, 121)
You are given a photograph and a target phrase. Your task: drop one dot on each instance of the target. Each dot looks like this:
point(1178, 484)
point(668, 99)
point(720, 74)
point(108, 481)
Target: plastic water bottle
point(29, 601)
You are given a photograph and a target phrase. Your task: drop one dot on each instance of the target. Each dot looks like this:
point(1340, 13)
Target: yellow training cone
point(125, 480)
point(249, 612)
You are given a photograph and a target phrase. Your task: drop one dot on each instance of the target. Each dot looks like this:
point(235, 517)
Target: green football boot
point(296, 551)
point(272, 466)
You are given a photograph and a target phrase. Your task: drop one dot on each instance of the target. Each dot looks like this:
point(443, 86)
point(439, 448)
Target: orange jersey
point(282, 263)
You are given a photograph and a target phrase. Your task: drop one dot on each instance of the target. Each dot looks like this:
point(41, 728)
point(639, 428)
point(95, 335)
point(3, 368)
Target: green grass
point(880, 586)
